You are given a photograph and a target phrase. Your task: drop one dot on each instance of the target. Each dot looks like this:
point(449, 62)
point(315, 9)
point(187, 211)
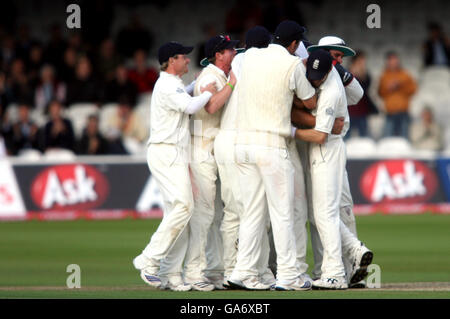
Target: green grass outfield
point(34, 256)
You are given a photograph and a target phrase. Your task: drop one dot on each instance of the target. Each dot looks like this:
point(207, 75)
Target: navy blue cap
point(219, 43)
point(318, 64)
point(171, 49)
point(289, 30)
point(257, 37)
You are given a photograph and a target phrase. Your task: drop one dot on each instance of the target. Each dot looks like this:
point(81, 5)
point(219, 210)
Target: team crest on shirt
point(180, 90)
point(329, 111)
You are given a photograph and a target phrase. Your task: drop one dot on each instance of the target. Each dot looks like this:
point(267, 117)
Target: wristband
point(230, 85)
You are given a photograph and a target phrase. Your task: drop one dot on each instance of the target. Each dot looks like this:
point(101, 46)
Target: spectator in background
point(128, 123)
point(84, 88)
point(24, 41)
point(396, 87)
point(120, 87)
point(54, 51)
point(133, 37)
point(436, 47)
point(242, 16)
point(209, 31)
point(365, 107)
point(18, 82)
point(3, 151)
point(48, 89)
point(58, 132)
point(75, 42)
point(426, 134)
point(66, 73)
point(5, 97)
point(23, 134)
point(279, 10)
point(8, 15)
point(92, 141)
point(7, 52)
point(34, 64)
point(143, 76)
point(94, 32)
point(107, 60)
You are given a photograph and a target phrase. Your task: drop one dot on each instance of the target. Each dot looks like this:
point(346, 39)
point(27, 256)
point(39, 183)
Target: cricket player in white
point(327, 166)
point(353, 90)
point(220, 50)
point(269, 79)
point(259, 37)
point(168, 161)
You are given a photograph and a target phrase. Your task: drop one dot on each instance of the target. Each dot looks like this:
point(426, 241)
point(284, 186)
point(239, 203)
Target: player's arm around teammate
point(167, 159)
point(327, 162)
point(203, 264)
point(338, 50)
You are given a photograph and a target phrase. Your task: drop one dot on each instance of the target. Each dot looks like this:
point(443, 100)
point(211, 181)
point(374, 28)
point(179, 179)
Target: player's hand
point(211, 87)
point(338, 126)
point(232, 79)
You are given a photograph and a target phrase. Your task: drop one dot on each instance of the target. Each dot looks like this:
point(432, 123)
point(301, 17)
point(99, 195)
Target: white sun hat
point(332, 43)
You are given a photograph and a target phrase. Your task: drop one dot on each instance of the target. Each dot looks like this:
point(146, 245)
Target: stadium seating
point(403, 29)
point(360, 147)
point(106, 111)
point(59, 155)
point(78, 114)
point(12, 113)
point(394, 147)
point(30, 154)
point(134, 147)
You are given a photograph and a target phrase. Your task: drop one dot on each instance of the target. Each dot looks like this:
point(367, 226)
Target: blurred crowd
point(396, 87)
point(79, 68)
point(49, 78)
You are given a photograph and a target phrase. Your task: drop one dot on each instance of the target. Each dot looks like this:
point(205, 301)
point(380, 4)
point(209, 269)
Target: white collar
point(169, 75)
point(217, 69)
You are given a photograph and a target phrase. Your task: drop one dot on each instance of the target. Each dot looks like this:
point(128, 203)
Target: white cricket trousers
point(233, 207)
point(300, 207)
point(327, 165)
point(345, 211)
point(204, 175)
point(266, 177)
point(169, 167)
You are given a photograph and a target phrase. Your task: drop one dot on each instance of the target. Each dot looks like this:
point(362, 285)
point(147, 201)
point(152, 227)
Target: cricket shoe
point(306, 277)
point(151, 279)
point(249, 283)
point(175, 284)
point(225, 283)
point(362, 258)
point(200, 284)
point(330, 284)
point(359, 284)
point(301, 283)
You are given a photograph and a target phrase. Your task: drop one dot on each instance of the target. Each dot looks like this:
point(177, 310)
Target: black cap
point(318, 64)
point(289, 30)
point(171, 49)
point(217, 44)
point(257, 37)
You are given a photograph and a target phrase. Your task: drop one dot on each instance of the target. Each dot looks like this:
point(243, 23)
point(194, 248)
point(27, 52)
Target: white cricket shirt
point(169, 123)
point(332, 103)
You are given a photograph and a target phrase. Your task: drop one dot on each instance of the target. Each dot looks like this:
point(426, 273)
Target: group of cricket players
point(266, 124)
